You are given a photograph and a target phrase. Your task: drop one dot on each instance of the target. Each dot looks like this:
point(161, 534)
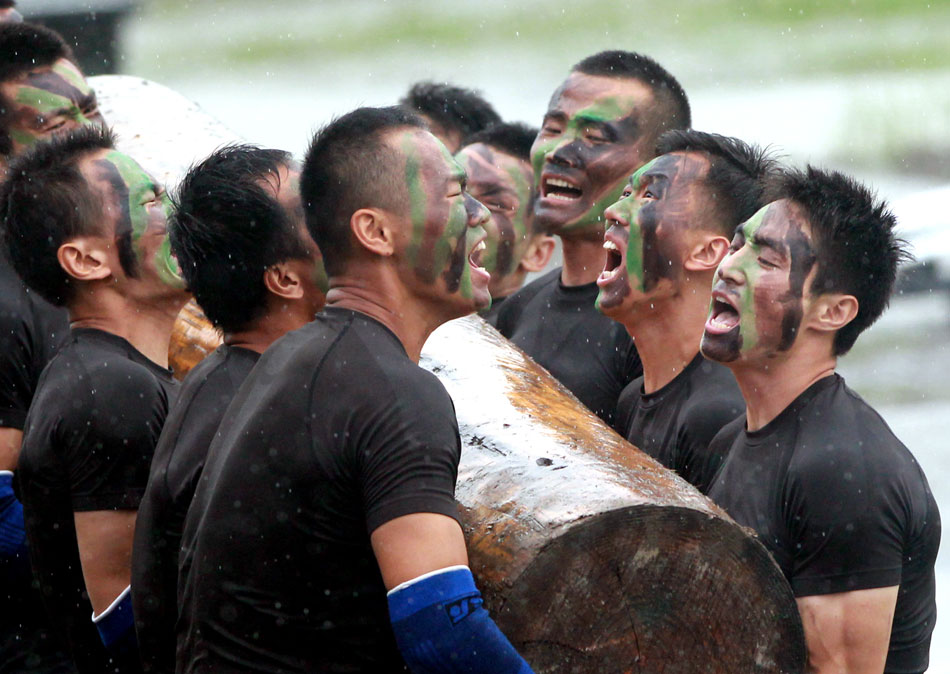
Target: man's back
point(334, 433)
point(176, 468)
point(87, 446)
point(561, 329)
point(676, 423)
point(841, 504)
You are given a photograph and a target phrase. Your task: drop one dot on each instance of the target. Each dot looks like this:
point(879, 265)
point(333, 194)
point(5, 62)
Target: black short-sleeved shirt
point(841, 504)
point(179, 459)
point(676, 423)
point(333, 434)
point(87, 446)
point(31, 330)
point(561, 329)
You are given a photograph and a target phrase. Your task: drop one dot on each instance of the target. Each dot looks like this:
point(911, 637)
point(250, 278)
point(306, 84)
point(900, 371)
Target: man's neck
point(147, 327)
point(584, 258)
point(769, 389)
point(667, 333)
point(276, 322)
point(381, 297)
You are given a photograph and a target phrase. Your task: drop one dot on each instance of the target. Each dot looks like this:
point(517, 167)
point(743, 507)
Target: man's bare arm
point(10, 439)
point(848, 632)
point(105, 550)
point(412, 545)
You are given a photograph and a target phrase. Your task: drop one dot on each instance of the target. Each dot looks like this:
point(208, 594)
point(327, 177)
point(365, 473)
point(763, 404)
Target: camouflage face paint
point(597, 132)
point(757, 304)
point(661, 203)
point(446, 220)
point(49, 100)
point(142, 209)
point(503, 184)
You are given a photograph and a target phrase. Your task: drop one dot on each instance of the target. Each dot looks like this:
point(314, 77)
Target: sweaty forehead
point(600, 98)
point(485, 164)
point(682, 168)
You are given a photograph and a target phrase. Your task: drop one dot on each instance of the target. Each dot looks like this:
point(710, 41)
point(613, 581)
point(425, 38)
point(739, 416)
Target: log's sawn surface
point(591, 556)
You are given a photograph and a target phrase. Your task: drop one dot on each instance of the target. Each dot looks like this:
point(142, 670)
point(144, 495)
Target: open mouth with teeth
point(614, 256)
point(723, 317)
point(556, 188)
point(475, 257)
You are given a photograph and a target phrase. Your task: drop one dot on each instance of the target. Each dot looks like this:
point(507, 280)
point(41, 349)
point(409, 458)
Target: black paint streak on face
point(453, 275)
point(801, 260)
point(659, 214)
point(55, 83)
point(108, 173)
point(506, 239)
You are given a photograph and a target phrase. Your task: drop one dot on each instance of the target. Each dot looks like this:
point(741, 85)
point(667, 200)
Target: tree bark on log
point(591, 556)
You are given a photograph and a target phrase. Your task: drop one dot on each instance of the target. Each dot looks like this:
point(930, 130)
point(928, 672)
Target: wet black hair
point(25, 47)
point(227, 228)
point(512, 138)
point(674, 112)
point(45, 201)
point(451, 107)
point(738, 172)
point(853, 234)
point(349, 166)
point(7, 4)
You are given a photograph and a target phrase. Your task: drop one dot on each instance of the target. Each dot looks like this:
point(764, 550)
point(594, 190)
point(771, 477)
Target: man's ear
point(374, 231)
point(831, 312)
point(538, 254)
point(85, 258)
point(706, 254)
point(284, 281)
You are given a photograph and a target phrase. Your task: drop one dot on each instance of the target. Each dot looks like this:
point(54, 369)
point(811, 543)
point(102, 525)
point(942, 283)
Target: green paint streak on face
point(71, 76)
point(610, 109)
point(458, 220)
point(44, 102)
point(140, 186)
point(749, 266)
point(22, 137)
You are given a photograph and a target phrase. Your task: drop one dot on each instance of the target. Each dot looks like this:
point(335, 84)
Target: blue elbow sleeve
point(12, 533)
point(117, 627)
point(441, 627)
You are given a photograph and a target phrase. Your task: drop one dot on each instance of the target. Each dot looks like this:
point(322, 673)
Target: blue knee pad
point(12, 533)
point(441, 627)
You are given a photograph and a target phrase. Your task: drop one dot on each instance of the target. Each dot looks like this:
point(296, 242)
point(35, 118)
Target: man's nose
point(728, 269)
point(565, 153)
point(478, 213)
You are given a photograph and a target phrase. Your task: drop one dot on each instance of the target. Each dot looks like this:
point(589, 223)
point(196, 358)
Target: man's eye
point(736, 243)
point(648, 194)
point(626, 192)
point(765, 264)
point(90, 111)
point(56, 125)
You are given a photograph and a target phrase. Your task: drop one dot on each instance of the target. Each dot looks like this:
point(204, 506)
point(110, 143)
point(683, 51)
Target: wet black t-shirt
point(841, 504)
point(87, 445)
point(561, 329)
point(333, 434)
point(676, 423)
point(31, 330)
point(179, 459)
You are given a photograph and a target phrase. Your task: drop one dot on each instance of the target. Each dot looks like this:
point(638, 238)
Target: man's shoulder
point(713, 396)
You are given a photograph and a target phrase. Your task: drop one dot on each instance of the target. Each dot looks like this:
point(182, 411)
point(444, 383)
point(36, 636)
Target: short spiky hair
point(514, 138)
point(451, 107)
point(227, 227)
point(24, 47)
point(738, 172)
point(45, 202)
point(630, 65)
point(349, 166)
point(853, 235)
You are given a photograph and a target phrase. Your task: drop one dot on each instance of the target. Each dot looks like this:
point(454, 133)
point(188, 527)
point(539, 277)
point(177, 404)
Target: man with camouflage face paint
point(499, 175)
point(96, 245)
point(601, 125)
point(665, 238)
point(40, 91)
point(348, 505)
point(839, 501)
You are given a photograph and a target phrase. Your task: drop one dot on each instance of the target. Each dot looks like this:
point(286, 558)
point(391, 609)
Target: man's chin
point(720, 348)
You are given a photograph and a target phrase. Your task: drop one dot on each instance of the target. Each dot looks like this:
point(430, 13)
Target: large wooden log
point(591, 556)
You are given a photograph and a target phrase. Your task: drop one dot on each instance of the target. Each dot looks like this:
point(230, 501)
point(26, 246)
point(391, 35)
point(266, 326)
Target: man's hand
point(848, 632)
